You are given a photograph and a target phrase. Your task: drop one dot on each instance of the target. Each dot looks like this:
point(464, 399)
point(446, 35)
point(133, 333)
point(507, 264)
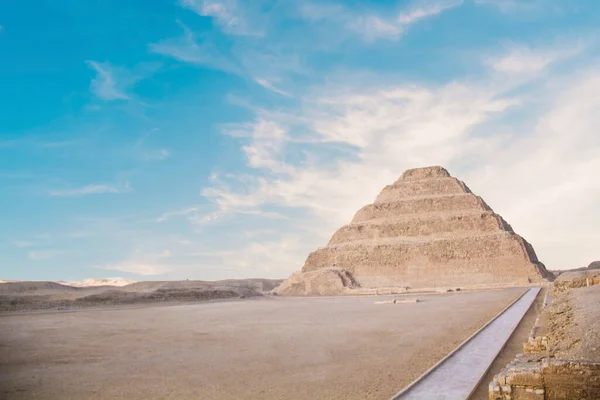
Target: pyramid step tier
point(427, 173)
point(430, 204)
point(409, 261)
point(425, 230)
point(407, 189)
point(428, 225)
point(395, 252)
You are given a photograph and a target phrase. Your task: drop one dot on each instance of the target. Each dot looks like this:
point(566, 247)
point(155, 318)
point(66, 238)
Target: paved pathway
point(459, 373)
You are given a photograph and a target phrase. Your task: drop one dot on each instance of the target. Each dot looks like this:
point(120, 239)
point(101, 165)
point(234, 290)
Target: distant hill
point(593, 265)
point(33, 287)
point(27, 296)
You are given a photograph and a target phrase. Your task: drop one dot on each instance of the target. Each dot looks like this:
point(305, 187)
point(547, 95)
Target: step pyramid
point(426, 230)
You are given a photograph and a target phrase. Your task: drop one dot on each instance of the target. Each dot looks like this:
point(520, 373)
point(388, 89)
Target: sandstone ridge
point(426, 230)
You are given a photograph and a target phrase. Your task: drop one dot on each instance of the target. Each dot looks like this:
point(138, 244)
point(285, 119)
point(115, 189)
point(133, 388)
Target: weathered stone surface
point(323, 282)
point(578, 279)
point(564, 363)
point(428, 187)
point(427, 229)
point(432, 226)
point(439, 204)
point(547, 379)
point(594, 265)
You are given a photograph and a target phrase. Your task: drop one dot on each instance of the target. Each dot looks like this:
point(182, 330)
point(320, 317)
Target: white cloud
point(138, 268)
point(106, 85)
point(320, 11)
point(266, 141)
point(185, 212)
point(377, 27)
point(189, 48)
point(45, 254)
point(391, 129)
point(540, 175)
point(114, 83)
point(263, 257)
point(140, 263)
point(551, 190)
point(229, 15)
point(523, 60)
point(373, 27)
point(268, 85)
point(510, 6)
point(427, 9)
point(91, 189)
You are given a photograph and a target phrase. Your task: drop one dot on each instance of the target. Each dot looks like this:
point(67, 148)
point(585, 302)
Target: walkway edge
point(507, 339)
point(460, 346)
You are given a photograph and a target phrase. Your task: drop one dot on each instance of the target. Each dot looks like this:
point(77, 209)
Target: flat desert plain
point(267, 348)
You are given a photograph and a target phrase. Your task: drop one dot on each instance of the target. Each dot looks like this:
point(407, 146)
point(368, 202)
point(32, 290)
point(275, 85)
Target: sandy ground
point(270, 348)
point(574, 324)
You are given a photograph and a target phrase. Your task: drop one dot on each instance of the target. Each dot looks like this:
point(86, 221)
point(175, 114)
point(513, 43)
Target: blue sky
point(218, 139)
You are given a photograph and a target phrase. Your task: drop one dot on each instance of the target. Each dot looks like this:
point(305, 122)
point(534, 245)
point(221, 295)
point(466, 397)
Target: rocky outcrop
point(426, 230)
point(594, 265)
point(322, 282)
point(561, 359)
point(576, 279)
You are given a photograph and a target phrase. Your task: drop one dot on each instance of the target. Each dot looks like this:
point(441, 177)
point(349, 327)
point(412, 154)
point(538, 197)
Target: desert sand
point(267, 348)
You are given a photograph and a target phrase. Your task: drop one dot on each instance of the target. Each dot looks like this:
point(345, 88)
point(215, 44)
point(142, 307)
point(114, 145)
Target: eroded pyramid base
point(322, 282)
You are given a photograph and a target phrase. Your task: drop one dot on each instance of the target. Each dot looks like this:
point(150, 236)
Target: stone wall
point(531, 378)
point(561, 359)
point(423, 205)
point(572, 280)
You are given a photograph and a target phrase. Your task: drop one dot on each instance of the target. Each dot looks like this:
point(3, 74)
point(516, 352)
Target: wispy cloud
point(105, 85)
point(23, 243)
point(425, 10)
point(138, 268)
point(45, 254)
point(147, 150)
point(524, 60)
point(511, 6)
point(91, 189)
point(114, 83)
point(267, 139)
point(266, 257)
point(230, 15)
point(268, 85)
point(196, 50)
point(397, 127)
point(372, 26)
point(191, 211)
point(146, 264)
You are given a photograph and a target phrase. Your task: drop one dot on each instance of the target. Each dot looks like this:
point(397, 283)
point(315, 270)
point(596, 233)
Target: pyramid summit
point(426, 230)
